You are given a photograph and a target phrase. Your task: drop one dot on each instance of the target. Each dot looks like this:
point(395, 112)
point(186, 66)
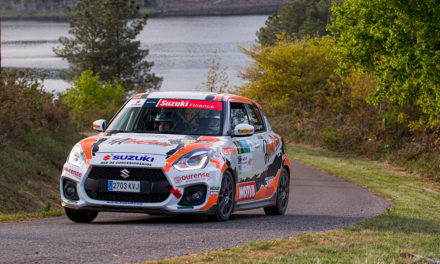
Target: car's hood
point(134, 149)
point(156, 144)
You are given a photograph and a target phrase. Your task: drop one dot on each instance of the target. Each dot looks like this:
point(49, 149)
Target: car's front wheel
point(225, 203)
point(80, 216)
point(282, 196)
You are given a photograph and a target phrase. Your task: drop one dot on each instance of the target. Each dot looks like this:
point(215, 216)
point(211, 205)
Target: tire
point(282, 199)
point(226, 197)
point(80, 216)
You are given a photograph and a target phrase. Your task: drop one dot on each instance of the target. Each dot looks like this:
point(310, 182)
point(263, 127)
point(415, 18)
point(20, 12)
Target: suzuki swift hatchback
point(178, 153)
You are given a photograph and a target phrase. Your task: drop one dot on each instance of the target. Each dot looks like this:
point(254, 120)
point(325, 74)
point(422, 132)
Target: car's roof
point(191, 95)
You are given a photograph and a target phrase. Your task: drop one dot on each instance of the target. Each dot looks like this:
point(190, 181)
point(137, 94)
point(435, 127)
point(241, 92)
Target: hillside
point(54, 9)
point(32, 165)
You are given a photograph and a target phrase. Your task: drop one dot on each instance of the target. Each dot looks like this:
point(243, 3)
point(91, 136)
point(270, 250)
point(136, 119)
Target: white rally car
point(178, 153)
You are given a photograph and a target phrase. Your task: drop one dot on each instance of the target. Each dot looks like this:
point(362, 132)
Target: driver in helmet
point(164, 122)
point(210, 124)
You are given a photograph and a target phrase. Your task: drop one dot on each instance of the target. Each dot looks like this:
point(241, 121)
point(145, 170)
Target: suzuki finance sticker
point(197, 104)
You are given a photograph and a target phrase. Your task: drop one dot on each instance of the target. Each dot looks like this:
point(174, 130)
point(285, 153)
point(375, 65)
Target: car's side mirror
point(99, 125)
point(243, 130)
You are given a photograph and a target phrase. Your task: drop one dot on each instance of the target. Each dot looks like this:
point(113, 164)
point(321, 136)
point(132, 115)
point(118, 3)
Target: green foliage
point(216, 77)
point(398, 42)
point(25, 105)
point(291, 76)
point(298, 18)
point(104, 40)
point(91, 99)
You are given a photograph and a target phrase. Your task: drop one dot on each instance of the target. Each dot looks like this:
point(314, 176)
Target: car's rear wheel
point(225, 203)
point(80, 216)
point(282, 196)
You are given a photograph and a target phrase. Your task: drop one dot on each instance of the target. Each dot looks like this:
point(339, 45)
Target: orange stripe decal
point(213, 198)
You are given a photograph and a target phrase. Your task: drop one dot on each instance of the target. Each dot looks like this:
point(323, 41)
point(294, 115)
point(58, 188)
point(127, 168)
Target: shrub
point(90, 99)
point(25, 105)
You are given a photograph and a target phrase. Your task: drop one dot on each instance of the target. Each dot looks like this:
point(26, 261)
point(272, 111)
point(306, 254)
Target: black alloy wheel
point(225, 203)
point(282, 196)
point(81, 216)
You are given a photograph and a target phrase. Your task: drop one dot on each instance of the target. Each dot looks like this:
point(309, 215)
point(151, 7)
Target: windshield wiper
point(117, 131)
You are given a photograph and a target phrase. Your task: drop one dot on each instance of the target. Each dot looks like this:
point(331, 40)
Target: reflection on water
point(178, 46)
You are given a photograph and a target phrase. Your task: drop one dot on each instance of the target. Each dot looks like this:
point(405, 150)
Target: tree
point(397, 42)
point(290, 76)
point(298, 18)
point(103, 40)
point(216, 77)
point(90, 99)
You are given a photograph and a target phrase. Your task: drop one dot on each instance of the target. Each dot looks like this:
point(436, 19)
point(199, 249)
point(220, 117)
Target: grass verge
point(42, 213)
point(31, 166)
point(411, 226)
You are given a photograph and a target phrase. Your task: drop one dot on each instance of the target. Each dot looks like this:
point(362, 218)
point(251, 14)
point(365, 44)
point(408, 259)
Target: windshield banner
point(182, 103)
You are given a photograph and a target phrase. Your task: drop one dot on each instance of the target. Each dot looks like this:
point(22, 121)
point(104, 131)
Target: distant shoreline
point(163, 13)
point(51, 74)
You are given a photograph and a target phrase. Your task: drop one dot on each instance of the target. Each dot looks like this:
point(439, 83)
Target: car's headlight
point(194, 160)
point(77, 156)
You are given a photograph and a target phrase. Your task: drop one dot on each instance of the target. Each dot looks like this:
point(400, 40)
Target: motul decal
point(198, 104)
point(246, 191)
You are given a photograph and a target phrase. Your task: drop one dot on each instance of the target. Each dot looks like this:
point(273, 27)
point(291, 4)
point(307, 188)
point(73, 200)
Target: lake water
point(179, 47)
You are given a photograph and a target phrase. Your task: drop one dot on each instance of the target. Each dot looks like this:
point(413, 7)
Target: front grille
point(154, 187)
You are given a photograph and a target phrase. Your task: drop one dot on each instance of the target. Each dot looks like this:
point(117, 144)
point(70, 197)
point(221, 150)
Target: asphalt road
point(317, 202)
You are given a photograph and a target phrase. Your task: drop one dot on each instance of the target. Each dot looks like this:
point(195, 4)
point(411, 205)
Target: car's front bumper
point(168, 206)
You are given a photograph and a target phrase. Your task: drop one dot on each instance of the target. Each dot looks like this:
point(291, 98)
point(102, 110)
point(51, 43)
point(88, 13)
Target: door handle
point(257, 146)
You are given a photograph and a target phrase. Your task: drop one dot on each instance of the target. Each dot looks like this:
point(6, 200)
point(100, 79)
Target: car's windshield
point(169, 116)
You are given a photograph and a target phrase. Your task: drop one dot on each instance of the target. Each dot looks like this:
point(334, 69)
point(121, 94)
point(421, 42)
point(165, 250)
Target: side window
point(265, 120)
point(238, 115)
point(256, 119)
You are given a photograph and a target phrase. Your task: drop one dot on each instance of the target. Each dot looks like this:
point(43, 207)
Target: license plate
point(124, 186)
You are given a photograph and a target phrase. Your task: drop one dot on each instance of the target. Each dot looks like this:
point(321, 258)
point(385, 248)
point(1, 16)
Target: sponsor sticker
point(269, 190)
point(120, 141)
point(245, 162)
point(136, 103)
point(214, 193)
point(270, 147)
point(127, 159)
point(183, 141)
point(269, 179)
point(245, 131)
point(242, 146)
point(191, 177)
point(246, 191)
point(197, 104)
point(130, 203)
point(229, 151)
point(72, 172)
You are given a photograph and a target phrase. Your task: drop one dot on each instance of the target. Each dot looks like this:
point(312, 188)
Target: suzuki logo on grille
point(125, 173)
